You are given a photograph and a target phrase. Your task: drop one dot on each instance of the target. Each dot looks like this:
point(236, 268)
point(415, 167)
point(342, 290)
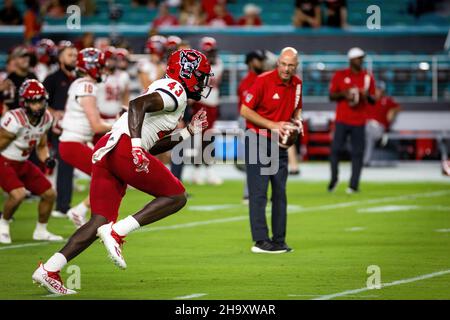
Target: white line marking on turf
point(395, 208)
point(24, 245)
point(355, 229)
point(52, 295)
point(299, 210)
point(384, 285)
point(442, 230)
point(192, 224)
point(191, 296)
point(316, 295)
point(213, 207)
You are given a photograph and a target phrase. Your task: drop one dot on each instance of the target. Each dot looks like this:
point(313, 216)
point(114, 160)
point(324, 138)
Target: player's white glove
point(140, 160)
point(198, 123)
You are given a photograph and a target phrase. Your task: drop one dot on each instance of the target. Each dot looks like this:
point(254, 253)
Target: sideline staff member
point(272, 101)
point(57, 85)
point(353, 89)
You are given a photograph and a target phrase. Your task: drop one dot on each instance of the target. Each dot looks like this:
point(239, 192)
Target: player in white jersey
point(208, 45)
point(21, 131)
point(82, 121)
point(46, 53)
point(152, 68)
point(112, 93)
point(126, 156)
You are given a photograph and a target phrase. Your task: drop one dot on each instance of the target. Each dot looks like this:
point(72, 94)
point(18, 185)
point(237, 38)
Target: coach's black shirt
point(57, 85)
point(18, 80)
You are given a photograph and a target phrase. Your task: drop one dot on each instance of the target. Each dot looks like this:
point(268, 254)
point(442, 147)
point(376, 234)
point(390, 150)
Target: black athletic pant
point(64, 178)
point(357, 139)
point(258, 185)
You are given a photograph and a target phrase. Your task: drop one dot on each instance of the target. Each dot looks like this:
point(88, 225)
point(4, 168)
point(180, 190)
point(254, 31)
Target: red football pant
point(22, 174)
point(116, 170)
point(77, 154)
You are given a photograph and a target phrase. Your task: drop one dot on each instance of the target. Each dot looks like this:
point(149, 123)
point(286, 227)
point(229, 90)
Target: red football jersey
point(380, 110)
point(345, 80)
point(273, 99)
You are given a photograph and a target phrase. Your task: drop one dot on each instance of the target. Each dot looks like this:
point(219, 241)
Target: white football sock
point(55, 263)
point(81, 208)
point(4, 221)
point(41, 227)
point(125, 226)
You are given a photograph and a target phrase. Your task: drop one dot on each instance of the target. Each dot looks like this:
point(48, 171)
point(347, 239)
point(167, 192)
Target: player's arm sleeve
point(170, 101)
point(334, 84)
point(85, 89)
point(254, 94)
point(9, 123)
point(371, 96)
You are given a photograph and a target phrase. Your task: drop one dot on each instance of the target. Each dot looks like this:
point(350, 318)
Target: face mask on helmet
point(36, 114)
point(202, 84)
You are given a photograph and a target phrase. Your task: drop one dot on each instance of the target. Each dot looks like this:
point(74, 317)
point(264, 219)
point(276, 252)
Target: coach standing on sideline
point(57, 85)
point(353, 89)
point(272, 101)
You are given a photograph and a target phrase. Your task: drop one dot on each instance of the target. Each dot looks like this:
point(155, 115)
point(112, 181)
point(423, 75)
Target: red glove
point(140, 160)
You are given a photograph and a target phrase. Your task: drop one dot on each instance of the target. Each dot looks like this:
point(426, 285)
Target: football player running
point(112, 93)
point(125, 156)
point(21, 131)
point(82, 121)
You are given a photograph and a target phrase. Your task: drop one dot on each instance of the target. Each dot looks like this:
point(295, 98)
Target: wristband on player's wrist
point(186, 133)
point(136, 142)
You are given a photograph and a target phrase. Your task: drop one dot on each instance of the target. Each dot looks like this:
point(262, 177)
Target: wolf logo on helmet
point(192, 69)
point(189, 62)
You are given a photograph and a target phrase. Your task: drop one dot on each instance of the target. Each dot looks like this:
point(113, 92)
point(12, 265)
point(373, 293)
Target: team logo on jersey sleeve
point(248, 97)
point(189, 62)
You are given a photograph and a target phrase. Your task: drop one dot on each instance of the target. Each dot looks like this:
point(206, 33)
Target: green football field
point(401, 230)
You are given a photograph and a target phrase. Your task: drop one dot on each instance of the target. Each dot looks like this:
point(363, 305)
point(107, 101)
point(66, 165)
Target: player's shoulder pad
point(171, 91)
point(83, 87)
point(48, 119)
point(13, 120)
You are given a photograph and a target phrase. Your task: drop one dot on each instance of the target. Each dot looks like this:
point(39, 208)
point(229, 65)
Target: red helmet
point(32, 90)
point(208, 44)
point(192, 69)
point(173, 42)
point(91, 61)
point(46, 50)
point(122, 53)
point(156, 45)
point(110, 52)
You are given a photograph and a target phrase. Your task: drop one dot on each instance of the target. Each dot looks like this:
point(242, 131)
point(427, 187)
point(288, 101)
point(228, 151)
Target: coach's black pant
point(64, 179)
point(357, 138)
point(258, 186)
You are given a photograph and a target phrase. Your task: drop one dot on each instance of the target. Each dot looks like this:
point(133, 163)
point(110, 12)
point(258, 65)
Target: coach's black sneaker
point(332, 186)
point(351, 190)
point(282, 246)
point(266, 246)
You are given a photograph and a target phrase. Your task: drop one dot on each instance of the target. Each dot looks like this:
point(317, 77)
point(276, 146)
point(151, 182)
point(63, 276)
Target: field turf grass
point(205, 248)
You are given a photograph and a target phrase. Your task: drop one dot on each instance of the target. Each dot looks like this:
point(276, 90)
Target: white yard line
point(24, 245)
point(443, 230)
point(384, 285)
point(191, 296)
point(355, 229)
point(294, 210)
